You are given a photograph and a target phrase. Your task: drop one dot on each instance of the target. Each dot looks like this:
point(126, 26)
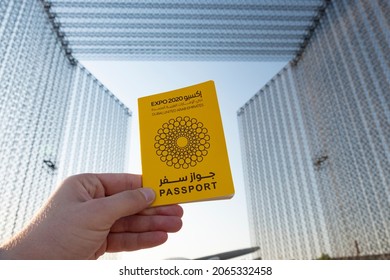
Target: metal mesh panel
point(315, 139)
point(316, 142)
point(97, 127)
point(186, 30)
point(33, 71)
point(352, 116)
point(48, 106)
point(282, 181)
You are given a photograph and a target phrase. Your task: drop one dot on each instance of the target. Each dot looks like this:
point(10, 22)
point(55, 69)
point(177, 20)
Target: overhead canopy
point(249, 30)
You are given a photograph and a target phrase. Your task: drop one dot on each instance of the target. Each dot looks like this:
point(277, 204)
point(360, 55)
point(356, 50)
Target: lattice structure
point(316, 142)
point(97, 132)
point(285, 210)
point(187, 30)
point(46, 97)
point(33, 71)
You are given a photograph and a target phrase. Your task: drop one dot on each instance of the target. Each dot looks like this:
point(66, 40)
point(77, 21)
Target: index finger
point(118, 182)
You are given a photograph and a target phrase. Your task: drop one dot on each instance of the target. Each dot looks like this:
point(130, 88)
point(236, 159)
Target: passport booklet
point(183, 149)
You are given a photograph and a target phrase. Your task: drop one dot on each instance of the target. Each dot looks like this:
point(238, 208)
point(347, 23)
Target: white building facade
point(316, 142)
point(56, 118)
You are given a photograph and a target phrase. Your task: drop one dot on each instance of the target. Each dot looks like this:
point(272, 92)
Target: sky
point(208, 227)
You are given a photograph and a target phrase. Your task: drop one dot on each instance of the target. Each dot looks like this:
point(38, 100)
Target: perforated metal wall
point(316, 142)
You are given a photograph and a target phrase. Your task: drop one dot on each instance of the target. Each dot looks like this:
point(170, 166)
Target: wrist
point(13, 249)
point(5, 253)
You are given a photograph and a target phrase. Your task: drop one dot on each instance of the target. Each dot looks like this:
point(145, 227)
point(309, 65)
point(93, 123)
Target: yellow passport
point(183, 149)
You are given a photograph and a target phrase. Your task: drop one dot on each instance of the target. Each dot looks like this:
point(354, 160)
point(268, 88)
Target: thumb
point(124, 203)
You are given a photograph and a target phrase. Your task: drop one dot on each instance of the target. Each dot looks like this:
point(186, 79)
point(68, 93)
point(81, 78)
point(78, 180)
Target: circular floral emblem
point(182, 142)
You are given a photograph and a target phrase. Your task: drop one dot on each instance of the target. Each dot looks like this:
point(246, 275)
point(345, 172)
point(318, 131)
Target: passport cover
point(183, 150)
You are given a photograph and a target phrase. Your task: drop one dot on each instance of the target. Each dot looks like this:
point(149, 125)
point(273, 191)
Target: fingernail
point(148, 194)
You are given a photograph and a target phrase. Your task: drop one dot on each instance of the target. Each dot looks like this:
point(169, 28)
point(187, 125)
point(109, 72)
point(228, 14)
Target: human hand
point(91, 214)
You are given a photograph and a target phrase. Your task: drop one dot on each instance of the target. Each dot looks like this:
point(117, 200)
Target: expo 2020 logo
point(182, 142)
